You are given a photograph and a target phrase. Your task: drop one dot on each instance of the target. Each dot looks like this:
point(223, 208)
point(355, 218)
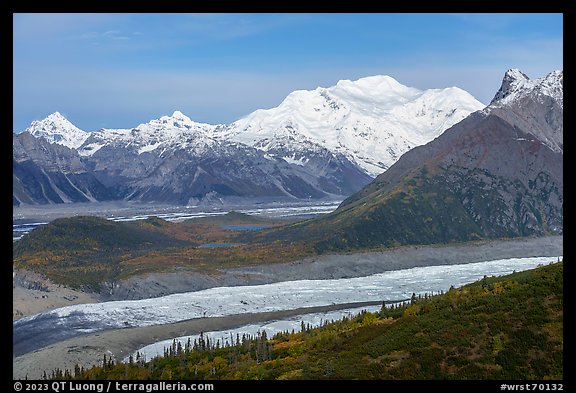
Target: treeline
point(497, 328)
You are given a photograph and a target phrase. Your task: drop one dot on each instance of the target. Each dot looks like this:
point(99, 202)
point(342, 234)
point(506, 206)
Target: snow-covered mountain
point(328, 142)
point(498, 173)
point(371, 121)
point(516, 85)
point(176, 160)
point(57, 129)
point(167, 132)
point(536, 105)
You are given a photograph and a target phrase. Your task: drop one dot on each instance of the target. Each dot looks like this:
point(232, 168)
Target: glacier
point(41, 329)
point(227, 337)
point(434, 274)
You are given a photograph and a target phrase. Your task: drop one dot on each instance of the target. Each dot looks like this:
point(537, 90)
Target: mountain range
point(496, 174)
point(324, 143)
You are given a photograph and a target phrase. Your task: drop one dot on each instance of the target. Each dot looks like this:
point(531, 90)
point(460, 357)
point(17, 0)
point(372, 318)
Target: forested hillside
point(507, 327)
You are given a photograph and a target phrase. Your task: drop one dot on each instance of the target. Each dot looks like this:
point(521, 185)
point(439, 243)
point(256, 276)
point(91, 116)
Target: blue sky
point(120, 70)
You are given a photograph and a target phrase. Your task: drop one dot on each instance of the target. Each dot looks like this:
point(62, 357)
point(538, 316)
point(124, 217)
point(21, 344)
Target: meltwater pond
point(42, 329)
point(216, 245)
point(246, 227)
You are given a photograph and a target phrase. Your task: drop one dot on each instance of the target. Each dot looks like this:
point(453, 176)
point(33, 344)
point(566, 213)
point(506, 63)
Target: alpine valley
point(497, 174)
point(325, 143)
point(438, 191)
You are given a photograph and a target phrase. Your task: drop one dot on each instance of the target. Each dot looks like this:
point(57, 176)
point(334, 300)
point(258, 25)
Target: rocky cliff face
point(172, 160)
point(50, 173)
point(535, 106)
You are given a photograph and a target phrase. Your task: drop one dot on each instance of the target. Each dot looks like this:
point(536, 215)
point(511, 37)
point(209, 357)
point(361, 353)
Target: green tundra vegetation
point(83, 252)
point(508, 327)
point(430, 206)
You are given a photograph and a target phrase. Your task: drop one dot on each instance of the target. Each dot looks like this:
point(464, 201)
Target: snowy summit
point(57, 129)
point(172, 131)
point(372, 121)
point(516, 85)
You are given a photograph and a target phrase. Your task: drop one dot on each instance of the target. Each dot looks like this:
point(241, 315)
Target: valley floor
point(358, 264)
point(31, 294)
point(90, 349)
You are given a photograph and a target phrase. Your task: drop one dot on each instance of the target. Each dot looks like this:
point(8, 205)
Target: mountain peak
point(178, 120)
point(180, 115)
point(55, 128)
point(513, 81)
point(56, 115)
point(374, 84)
point(535, 105)
point(372, 121)
point(515, 74)
point(553, 85)
point(176, 116)
point(516, 84)
point(56, 118)
point(370, 80)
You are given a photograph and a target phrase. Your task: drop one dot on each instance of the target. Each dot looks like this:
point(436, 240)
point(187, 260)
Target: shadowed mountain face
point(45, 173)
point(187, 169)
point(51, 173)
point(498, 173)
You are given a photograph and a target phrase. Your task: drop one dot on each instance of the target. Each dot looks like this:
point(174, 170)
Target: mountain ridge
point(365, 120)
point(364, 99)
point(55, 128)
point(277, 152)
point(174, 159)
point(497, 173)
